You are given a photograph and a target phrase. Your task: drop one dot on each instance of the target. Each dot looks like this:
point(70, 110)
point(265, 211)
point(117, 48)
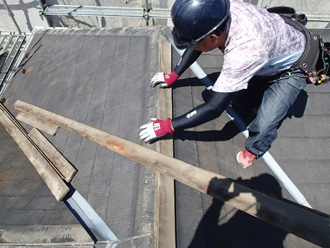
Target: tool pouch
point(314, 61)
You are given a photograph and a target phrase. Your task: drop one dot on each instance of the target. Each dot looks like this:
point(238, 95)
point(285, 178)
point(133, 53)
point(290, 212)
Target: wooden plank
point(58, 188)
point(291, 217)
point(164, 216)
point(61, 163)
point(36, 122)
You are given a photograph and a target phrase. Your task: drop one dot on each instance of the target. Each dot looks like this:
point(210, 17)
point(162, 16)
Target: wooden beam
point(164, 220)
point(36, 122)
point(58, 188)
point(291, 217)
point(59, 161)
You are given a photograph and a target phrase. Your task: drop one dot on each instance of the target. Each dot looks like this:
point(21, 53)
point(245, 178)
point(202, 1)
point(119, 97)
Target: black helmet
point(195, 19)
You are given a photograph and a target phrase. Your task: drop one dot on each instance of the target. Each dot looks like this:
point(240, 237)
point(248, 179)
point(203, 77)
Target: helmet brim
point(179, 43)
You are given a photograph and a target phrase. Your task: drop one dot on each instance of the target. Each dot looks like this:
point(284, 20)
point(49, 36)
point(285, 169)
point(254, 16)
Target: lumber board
point(303, 222)
point(36, 122)
point(61, 163)
point(55, 184)
point(164, 217)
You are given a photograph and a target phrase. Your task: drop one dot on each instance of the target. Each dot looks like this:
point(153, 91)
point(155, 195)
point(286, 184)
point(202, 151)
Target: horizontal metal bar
point(76, 10)
point(318, 16)
point(160, 13)
point(79, 10)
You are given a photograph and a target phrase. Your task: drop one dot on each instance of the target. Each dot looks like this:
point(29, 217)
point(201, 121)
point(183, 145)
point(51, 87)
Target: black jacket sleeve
point(210, 110)
point(189, 56)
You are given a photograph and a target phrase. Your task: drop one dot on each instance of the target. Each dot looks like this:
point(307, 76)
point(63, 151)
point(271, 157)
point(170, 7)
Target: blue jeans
point(276, 101)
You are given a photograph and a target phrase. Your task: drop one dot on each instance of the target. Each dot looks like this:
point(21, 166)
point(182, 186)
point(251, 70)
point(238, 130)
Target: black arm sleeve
point(189, 56)
point(210, 110)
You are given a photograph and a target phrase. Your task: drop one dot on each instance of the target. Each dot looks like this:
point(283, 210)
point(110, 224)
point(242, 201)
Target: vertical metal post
point(146, 10)
point(12, 16)
point(41, 12)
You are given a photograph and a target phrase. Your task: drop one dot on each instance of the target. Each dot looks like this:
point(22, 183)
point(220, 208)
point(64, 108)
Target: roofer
point(255, 43)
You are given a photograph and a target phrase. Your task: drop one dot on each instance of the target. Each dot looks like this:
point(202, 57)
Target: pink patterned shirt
point(258, 43)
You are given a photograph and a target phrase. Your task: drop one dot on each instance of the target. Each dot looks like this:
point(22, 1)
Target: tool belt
point(314, 61)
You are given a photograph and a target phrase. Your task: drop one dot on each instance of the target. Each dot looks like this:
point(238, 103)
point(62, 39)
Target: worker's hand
point(163, 79)
point(156, 129)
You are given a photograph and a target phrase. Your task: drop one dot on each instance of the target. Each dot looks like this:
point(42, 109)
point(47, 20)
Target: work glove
point(156, 129)
point(163, 79)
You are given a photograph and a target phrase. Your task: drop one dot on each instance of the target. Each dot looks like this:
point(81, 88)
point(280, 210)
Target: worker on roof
point(256, 44)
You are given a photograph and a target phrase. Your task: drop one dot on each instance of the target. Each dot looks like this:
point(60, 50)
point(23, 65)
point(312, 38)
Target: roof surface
point(301, 150)
point(99, 78)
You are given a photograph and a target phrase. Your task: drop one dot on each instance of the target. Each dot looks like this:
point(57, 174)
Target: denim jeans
point(276, 101)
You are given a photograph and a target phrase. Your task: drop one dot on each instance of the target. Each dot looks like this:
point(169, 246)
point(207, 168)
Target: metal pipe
point(42, 5)
point(271, 162)
point(10, 13)
point(146, 15)
point(42, 12)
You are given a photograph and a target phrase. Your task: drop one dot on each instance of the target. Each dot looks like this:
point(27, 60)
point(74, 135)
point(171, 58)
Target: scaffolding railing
point(79, 10)
point(157, 13)
point(105, 11)
point(318, 16)
point(146, 12)
point(10, 46)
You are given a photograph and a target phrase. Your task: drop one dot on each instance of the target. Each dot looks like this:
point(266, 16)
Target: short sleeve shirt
point(257, 43)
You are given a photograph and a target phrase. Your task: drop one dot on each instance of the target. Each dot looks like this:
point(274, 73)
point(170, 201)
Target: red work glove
point(163, 79)
point(156, 129)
